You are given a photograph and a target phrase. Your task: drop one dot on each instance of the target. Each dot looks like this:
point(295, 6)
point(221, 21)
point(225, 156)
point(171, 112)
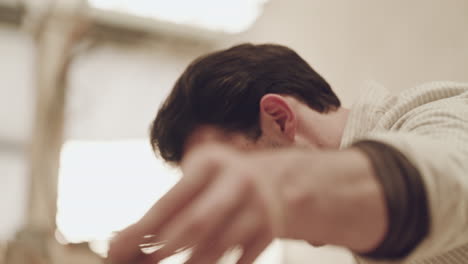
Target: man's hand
point(232, 199)
point(221, 202)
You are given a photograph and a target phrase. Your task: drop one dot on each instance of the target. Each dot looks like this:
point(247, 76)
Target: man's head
point(252, 91)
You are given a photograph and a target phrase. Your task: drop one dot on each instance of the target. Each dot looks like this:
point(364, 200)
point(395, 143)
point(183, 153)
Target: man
point(268, 152)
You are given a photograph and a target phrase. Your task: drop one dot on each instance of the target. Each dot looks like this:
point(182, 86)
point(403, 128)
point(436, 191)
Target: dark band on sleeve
point(406, 199)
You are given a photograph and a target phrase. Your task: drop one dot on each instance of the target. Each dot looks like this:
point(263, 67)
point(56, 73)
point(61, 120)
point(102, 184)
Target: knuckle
point(204, 165)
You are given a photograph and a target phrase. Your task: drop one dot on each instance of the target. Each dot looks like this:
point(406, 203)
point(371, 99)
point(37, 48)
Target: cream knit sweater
point(429, 125)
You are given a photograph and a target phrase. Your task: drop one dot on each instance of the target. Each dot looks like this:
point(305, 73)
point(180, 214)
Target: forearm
point(336, 200)
point(352, 202)
point(369, 198)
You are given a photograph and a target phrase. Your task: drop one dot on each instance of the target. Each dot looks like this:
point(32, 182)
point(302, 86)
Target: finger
point(252, 249)
point(125, 246)
point(237, 231)
point(204, 217)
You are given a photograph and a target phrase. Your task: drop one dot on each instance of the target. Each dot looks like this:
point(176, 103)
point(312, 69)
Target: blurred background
point(81, 80)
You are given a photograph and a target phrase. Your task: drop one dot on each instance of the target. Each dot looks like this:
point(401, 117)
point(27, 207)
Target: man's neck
point(324, 130)
point(338, 121)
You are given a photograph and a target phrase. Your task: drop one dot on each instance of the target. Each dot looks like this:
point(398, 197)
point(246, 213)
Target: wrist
point(354, 208)
point(333, 197)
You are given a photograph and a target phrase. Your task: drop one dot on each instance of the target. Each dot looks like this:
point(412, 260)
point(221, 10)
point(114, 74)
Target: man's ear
point(277, 114)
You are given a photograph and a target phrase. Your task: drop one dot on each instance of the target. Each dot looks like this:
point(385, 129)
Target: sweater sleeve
point(435, 142)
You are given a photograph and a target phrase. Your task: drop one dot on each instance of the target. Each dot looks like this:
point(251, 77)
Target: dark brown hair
point(224, 89)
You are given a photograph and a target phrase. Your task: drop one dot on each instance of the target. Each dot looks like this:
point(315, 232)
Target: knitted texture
point(429, 125)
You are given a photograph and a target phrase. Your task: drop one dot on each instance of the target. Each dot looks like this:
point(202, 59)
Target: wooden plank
point(35, 243)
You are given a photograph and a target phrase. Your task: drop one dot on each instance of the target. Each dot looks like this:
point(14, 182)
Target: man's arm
point(372, 200)
point(228, 198)
point(406, 198)
point(435, 143)
point(334, 197)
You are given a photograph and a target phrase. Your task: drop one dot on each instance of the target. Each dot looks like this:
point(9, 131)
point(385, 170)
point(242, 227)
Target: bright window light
point(232, 16)
point(106, 186)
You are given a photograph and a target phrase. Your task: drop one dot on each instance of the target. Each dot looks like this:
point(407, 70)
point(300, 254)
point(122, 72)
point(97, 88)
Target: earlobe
point(280, 112)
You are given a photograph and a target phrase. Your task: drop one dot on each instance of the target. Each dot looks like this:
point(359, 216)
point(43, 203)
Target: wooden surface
point(35, 243)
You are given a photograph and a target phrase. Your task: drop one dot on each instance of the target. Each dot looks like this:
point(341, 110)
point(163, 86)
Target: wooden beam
point(35, 242)
point(31, 244)
point(55, 40)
